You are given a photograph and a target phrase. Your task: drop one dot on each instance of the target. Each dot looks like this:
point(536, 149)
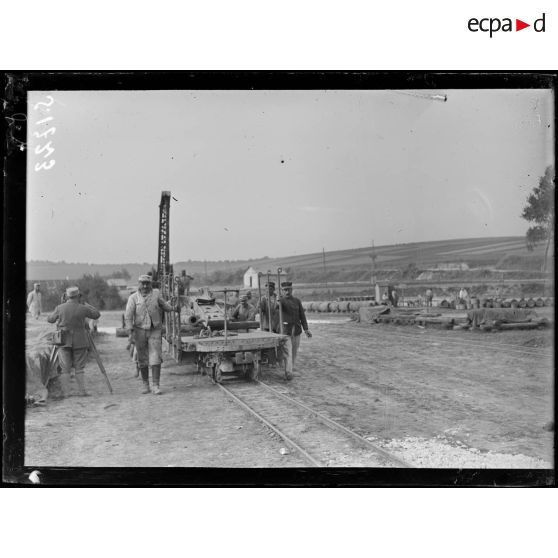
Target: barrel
point(496, 304)
point(444, 303)
point(354, 306)
point(334, 307)
point(530, 303)
point(324, 307)
point(522, 303)
point(344, 306)
point(539, 302)
point(514, 303)
point(506, 303)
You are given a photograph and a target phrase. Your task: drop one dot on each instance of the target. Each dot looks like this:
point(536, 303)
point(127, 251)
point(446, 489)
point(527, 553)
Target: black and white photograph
point(311, 272)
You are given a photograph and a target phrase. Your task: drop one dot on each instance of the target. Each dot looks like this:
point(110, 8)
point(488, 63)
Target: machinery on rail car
point(203, 333)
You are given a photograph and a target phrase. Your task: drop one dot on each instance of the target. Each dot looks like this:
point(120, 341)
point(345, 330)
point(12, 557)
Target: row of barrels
point(336, 306)
point(502, 303)
point(354, 305)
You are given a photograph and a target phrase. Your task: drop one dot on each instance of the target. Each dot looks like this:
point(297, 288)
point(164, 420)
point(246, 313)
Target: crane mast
point(163, 258)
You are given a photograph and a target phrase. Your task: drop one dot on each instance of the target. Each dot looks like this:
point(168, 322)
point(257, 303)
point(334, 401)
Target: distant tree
point(122, 274)
point(540, 211)
point(97, 292)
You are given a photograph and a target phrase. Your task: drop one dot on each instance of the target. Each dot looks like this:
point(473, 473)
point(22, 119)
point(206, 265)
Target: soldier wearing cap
point(244, 311)
point(71, 318)
point(144, 322)
point(183, 282)
point(35, 301)
point(268, 304)
point(294, 321)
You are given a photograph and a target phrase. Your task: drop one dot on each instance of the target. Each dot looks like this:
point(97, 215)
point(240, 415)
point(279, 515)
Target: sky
point(277, 173)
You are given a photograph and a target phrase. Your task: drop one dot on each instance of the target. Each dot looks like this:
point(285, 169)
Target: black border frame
point(15, 86)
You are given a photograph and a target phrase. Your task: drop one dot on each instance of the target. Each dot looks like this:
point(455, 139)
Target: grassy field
point(499, 252)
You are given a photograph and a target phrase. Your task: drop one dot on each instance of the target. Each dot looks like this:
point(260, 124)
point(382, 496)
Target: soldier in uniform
point(244, 312)
point(183, 282)
point(294, 321)
point(144, 313)
point(268, 303)
point(71, 317)
point(35, 301)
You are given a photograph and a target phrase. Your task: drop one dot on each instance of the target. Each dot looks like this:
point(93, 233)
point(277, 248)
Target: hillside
point(505, 253)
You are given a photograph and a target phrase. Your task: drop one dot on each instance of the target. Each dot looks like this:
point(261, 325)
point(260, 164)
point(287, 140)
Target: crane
point(163, 258)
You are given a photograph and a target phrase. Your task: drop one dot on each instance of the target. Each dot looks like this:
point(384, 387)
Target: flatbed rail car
point(202, 334)
point(238, 354)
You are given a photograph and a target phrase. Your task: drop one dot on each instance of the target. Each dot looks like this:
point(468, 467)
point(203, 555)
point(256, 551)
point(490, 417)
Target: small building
point(450, 266)
point(121, 285)
point(251, 278)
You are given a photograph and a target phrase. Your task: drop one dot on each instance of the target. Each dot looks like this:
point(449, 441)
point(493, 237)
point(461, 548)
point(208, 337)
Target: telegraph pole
point(373, 257)
point(325, 270)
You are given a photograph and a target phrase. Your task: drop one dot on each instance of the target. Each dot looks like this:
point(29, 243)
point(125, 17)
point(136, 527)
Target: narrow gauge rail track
point(474, 344)
point(321, 441)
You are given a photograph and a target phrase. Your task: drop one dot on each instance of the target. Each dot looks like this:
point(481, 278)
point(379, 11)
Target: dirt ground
point(435, 398)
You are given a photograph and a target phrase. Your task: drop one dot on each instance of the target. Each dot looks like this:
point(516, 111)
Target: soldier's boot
point(81, 383)
point(144, 371)
point(156, 372)
point(64, 380)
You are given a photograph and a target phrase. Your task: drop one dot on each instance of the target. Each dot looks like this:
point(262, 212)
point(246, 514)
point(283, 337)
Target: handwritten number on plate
point(39, 150)
point(46, 165)
point(36, 105)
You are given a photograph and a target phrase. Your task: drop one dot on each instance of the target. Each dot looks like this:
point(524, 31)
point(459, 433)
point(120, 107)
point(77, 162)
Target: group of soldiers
point(144, 322)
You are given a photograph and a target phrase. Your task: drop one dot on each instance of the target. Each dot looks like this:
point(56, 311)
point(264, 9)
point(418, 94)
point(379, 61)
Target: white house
point(121, 285)
point(251, 278)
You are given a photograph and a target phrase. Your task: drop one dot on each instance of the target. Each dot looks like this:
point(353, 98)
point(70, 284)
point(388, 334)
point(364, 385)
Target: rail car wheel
point(217, 376)
point(254, 371)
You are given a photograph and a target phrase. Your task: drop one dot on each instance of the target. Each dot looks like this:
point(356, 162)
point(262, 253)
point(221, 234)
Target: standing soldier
point(35, 301)
point(183, 281)
point(144, 312)
point(71, 316)
point(294, 321)
point(268, 304)
point(429, 295)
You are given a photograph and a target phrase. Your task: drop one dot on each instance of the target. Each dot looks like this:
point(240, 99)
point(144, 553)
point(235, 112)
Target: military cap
point(72, 292)
point(145, 278)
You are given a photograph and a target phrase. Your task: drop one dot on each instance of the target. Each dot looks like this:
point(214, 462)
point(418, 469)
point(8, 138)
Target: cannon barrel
point(220, 324)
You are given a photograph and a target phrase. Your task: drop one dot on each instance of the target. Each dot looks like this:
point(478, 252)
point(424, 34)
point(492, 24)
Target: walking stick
point(260, 295)
point(98, 359)
point(268, 300)
point(279, 270)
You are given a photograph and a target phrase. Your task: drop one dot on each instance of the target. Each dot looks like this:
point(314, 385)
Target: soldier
point(144, 323)
point(35, 301)
point(244, 311)
point(429, 295)
point(71, 316)
point(183, 281)
point(294, 321)
point(266, 304)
